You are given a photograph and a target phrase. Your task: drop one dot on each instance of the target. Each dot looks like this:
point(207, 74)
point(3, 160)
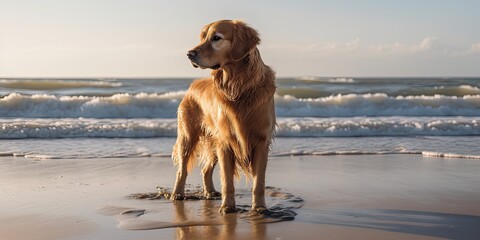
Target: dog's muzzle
point(192, 55)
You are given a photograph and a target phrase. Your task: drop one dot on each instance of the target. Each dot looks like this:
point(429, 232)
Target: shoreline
point(362, 196)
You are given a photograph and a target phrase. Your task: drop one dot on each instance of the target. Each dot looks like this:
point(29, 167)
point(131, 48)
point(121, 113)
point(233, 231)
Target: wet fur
point(229, 118)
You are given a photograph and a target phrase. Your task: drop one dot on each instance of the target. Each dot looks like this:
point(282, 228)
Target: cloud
point(338, 47)
point(426, 44)
point(459, 52)
point(317, 48)
point(357, 46)
point(400, 48)
point(475, 48)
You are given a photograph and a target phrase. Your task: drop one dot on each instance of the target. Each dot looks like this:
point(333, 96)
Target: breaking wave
point(286, 127)
point(154, 105)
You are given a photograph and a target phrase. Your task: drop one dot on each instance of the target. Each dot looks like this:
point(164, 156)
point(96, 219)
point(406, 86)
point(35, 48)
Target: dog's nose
point(191, 54)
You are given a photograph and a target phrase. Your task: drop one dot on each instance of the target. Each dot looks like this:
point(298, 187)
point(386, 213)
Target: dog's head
point(223, 42)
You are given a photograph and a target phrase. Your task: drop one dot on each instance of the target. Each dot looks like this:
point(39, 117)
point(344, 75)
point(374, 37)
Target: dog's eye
point(216, 38)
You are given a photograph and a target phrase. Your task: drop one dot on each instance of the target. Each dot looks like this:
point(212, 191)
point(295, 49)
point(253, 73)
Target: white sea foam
point(341, 80)
point(83, 128)
point(449, 155)
point(335, 153)
point(145, 105)
point(40, 157)
point(343, 153)
point(378, 104)
point(329, 80)
point(286, 127)
point(117, 106)
point(377, 126)
point(427, 154)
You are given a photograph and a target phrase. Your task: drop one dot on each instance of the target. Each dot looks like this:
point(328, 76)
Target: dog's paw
point(213, 195)
point(261, 211)
point(227, 209)
point(177, 197)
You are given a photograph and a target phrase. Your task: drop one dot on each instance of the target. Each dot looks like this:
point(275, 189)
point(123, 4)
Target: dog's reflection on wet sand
point(216, 226)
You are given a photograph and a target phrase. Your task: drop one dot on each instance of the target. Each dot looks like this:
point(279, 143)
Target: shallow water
point(195, 210)
point(83, 148)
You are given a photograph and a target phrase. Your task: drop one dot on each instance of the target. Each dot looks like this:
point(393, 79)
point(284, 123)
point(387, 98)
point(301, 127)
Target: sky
point(146, 38)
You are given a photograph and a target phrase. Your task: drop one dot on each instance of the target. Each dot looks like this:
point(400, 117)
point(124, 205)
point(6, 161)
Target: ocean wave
point(449, 155)
point(345, 153)
point(86, 128)
point(37, 84)
point(378, 104)
point(427, 146)
point(286, 127)
point(328, 80)
point(292, 153)
point(340, 153)
point(317, 87)
point(165, 105)
point(126, 105)
point(383, 126)
point(458, 91)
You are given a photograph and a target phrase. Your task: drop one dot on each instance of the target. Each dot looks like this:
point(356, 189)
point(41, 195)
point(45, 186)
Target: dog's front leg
point(227, 168)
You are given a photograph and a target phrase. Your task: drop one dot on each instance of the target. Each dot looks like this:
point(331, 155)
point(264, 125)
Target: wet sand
point(344, 197)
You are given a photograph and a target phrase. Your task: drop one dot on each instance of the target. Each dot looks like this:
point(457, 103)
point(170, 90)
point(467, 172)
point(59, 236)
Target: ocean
point(110, 118)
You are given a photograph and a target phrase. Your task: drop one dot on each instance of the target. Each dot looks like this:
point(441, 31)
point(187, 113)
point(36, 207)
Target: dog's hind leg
point(183, 154)
point(184, 150)
point(207, 172)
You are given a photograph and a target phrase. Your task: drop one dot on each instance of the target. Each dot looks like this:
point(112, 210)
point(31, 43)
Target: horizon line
point(198, 77)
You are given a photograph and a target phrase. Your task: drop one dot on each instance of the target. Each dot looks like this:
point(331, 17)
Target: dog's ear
point(204, 32)
point(244, 40)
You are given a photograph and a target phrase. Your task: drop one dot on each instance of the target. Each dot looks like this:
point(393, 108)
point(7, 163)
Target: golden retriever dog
point(228, 118)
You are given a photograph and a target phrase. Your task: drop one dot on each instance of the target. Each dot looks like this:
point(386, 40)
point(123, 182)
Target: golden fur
point(228, 118)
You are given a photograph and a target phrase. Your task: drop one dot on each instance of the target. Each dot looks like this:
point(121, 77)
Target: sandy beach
point(344, 197)
point(372, 116)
